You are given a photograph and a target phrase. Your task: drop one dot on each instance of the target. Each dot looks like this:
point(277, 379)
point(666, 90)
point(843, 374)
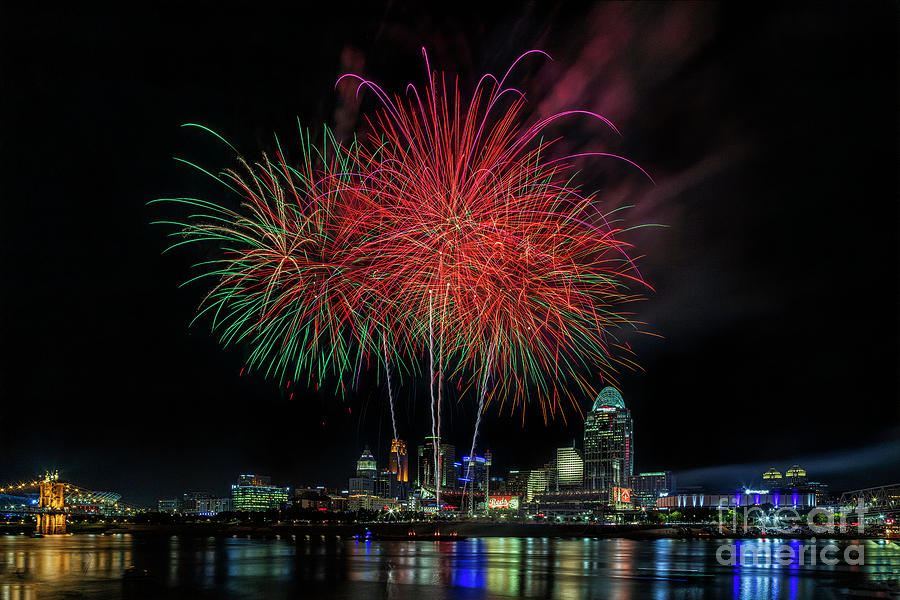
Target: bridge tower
point(51, 516)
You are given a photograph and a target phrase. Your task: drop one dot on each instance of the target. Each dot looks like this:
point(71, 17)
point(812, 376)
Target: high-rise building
point(646, 488)
point(516, 482)
point(398, 460)
point(772, 477)
point(255, 493)
point(538, 482)
point(569, 468)
point(795, 476)
point(425, 465)
point(608, 443)
point(366, 466)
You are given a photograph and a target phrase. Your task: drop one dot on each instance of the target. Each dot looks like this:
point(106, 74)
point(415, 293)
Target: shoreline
point(465, 530)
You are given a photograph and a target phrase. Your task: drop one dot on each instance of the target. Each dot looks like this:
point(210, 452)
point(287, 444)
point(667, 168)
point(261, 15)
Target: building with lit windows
point(795, 476)
point(398, 460)
point(742, 498)
point(608, 443)
point(646, 488)
point(538, 482)
point(204, 504)
point(569, 469)
point(772, 477)
point(425, 465)
point(256, 493)
point(366, 466)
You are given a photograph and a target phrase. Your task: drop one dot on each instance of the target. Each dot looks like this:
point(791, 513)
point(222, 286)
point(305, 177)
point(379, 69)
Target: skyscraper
point(646, 488)
point(425, 465)
point(608, 443)
point(365, 466)
point(401, 468)
point(569, 468)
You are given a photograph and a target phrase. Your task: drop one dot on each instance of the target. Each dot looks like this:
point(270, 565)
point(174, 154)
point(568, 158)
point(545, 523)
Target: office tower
point(538, 482)
point(773, 477)
point(646, 488)
point(795, 476)
point(569, 469)
point(399, 467)
point(425, 465)
point(255, 493)
point(365, 466)
point(608, 443)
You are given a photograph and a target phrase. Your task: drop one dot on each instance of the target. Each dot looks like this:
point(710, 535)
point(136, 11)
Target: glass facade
point(569, 468)
point(608, 443)
point(253, 493)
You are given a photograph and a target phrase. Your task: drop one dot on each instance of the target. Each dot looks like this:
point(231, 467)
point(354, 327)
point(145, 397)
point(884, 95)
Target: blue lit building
point(11, 505)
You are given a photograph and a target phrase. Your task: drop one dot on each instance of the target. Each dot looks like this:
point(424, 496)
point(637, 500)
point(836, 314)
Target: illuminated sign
point(756, 491)
point(621, 494)
point(504, 502)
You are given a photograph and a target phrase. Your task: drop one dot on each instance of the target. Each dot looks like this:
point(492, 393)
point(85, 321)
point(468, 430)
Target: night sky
point(771, 134)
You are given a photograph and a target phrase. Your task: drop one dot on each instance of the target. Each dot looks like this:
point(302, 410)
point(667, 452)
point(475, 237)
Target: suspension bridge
point(51, 501)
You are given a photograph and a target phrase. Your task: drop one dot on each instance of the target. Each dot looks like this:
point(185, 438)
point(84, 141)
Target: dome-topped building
point(608, 443)
point(609, 397)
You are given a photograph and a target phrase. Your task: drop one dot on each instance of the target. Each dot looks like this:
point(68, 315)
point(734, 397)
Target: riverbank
point(470, 529)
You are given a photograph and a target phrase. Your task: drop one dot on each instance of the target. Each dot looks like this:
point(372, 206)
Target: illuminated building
point(608, 443)
point(365, 466)
point(538, 481)
point(425, 465)
point(204, 504)
point(255, 493)
point(169, 505)
point(795, 476)
point(366, 474)
point(401, 468)
point(647, 487)
point(772, 477)
point(362, 485)
point(742, 498)
point(516, 483)
point(569, 468)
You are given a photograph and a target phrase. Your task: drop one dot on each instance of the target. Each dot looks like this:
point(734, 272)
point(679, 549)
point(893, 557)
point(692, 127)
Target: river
point(93, 566)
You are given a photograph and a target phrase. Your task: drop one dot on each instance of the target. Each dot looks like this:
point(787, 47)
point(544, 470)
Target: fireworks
point(283, 283)
point(487, 245)
point(450, 235)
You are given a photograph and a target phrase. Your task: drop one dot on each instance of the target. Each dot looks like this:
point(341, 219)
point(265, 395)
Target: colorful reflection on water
point(91, 566)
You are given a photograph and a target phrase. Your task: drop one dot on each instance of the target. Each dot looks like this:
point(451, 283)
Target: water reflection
point(93, 567)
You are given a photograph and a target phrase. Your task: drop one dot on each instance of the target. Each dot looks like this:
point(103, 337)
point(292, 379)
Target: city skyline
point(775, 287)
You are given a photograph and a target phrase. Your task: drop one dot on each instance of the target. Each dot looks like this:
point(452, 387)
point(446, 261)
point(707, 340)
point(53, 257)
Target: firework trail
point(449, 229)
point(466, 211)
point(284, 283)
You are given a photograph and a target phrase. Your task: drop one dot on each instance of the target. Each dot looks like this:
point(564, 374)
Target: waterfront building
point(516, 483)
point(647, 487)
point(425, 465)
point(538, 482)
point(204, 504)
point(569, 468)
point(169, 505)
point(255, 493)
point(398, 460)
point(608, 443)
point(740, 499)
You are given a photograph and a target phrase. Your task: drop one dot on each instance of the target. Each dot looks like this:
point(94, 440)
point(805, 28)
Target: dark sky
point(771, 134)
